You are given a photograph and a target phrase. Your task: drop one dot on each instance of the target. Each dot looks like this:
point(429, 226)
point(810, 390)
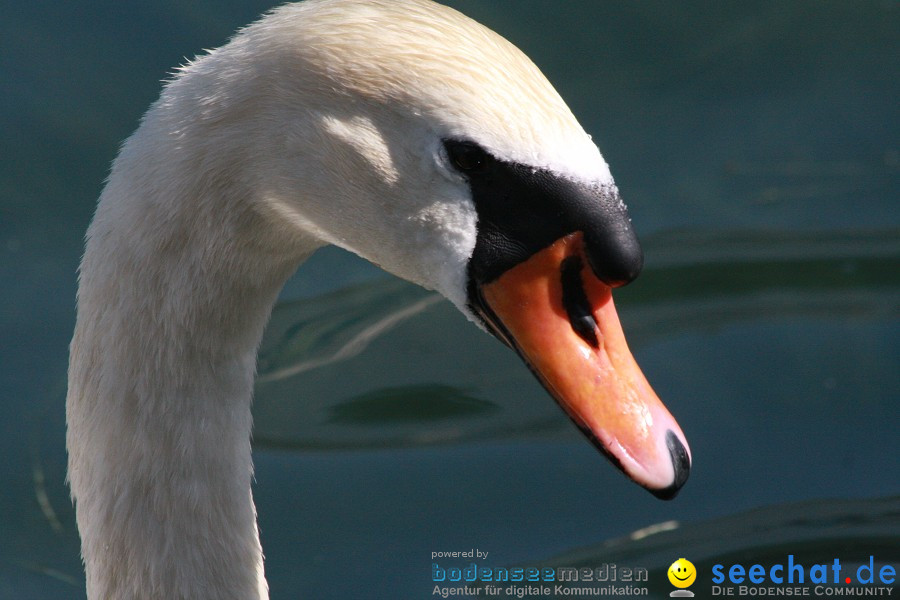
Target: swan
point(399, 130)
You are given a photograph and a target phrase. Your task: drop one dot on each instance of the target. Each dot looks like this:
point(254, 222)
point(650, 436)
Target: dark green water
point(758, 147)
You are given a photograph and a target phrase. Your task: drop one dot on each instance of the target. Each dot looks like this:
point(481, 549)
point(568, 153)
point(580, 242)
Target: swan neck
point(178, 279)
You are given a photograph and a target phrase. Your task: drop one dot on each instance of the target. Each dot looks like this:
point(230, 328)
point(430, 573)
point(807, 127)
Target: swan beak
point(560, 318)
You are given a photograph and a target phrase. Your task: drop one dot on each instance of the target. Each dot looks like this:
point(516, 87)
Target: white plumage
point(320, 124)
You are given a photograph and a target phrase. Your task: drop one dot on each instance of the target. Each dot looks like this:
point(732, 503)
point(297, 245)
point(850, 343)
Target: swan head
point(429, 145)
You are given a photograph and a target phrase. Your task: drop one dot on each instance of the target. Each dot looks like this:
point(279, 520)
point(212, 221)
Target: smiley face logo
point(682, 573)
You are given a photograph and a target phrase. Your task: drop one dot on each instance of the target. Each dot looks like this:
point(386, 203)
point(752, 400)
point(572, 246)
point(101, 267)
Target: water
point(756, 146)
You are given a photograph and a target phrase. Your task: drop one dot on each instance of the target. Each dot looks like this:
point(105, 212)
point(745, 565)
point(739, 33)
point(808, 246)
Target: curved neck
point(177, 282)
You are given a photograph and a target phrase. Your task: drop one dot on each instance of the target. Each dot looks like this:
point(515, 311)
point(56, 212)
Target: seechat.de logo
point(792, 577)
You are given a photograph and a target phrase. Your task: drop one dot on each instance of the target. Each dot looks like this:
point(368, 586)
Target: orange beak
point(561, 320)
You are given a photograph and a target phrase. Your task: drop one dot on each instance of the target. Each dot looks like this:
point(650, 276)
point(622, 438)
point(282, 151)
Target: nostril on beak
point(681, 464)
point(576, 303)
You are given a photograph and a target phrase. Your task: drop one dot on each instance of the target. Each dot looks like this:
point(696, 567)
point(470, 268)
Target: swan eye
point(468, 157)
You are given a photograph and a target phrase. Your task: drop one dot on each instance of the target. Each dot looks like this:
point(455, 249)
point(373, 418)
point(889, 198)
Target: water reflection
point(320, 387)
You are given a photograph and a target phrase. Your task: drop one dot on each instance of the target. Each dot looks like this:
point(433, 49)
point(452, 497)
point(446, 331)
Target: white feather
point(320, 124)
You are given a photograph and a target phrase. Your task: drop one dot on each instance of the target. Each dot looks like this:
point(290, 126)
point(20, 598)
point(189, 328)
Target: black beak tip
point(681, 463)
